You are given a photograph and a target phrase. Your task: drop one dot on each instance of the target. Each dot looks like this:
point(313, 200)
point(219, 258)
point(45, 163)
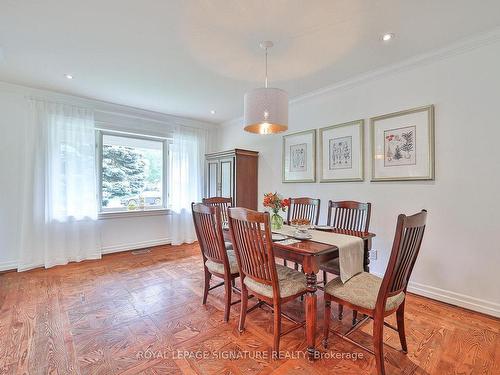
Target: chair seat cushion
point(219, 267)
point(362, 290)
point(290, 282)
point(332, 266)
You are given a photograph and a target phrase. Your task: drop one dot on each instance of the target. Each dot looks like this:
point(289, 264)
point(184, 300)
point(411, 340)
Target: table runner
point(351, 249)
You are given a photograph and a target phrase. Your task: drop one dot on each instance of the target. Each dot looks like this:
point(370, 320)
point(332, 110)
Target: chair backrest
point(208, 227)
point(222, 203)
point(304, 208)
point(405, 249)
point(253, 246)
point(350, 215)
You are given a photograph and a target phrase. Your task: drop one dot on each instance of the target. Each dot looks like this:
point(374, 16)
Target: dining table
point(310, 255)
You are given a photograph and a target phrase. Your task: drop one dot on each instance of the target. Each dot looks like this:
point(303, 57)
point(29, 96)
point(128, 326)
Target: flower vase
point(276, 221)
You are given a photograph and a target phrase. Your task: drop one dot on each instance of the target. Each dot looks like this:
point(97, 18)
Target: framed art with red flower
point(403, 145)
point(400, 146)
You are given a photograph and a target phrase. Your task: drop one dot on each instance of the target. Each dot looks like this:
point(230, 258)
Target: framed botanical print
point(341, 152)
point(403, 145)
point(299, 157)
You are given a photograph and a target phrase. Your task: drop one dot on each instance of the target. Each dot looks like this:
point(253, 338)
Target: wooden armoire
point(233, 174)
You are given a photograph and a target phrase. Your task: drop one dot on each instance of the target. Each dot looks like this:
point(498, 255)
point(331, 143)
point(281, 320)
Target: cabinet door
point(227, 178)
point(212, 178)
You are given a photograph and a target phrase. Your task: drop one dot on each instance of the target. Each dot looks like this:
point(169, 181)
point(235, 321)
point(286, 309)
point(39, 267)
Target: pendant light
point(266, 108)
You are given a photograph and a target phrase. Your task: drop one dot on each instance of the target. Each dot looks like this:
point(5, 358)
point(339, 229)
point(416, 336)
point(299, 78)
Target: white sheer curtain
point(186, 174)
point(59, 209)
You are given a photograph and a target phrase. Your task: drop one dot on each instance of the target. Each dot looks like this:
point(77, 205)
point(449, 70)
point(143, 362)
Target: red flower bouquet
point(276, 203)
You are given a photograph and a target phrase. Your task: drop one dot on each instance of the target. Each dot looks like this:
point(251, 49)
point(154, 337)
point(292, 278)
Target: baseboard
point(8, 266)
point(12, 265)
point(453, 298)
point(135, 245)
point(457, 299)
point(15, 266)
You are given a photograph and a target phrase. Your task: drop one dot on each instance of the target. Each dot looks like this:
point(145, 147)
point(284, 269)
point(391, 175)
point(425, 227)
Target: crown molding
point(105, 107)
point(457, 48)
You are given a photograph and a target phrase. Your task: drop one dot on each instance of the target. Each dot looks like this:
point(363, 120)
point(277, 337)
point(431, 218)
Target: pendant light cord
point(266, 67)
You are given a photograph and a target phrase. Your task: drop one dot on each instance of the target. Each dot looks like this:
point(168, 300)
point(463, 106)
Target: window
point(132, 173)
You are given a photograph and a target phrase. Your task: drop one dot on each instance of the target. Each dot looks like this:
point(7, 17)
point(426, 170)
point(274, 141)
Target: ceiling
point(187, 57)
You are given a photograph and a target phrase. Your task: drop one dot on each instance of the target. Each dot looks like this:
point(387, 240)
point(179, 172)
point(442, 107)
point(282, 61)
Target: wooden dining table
point(310, 255)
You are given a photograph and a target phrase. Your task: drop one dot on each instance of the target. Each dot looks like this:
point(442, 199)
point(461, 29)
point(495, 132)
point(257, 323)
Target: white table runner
point(351, 249)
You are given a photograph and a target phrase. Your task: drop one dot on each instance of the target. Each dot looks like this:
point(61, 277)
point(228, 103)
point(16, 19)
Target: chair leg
point(208, 275)
point(244, 307)
point(233, 282)
point(324, 278)
point(296, 266)
point(277, 328)
point(285, 263)
point(354, 317)
point(341, 311)
point(328, 313)
point(400, 316)
point(227, 308)
point(378, 344)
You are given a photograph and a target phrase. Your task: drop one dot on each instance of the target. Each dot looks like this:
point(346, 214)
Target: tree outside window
point(132, 173)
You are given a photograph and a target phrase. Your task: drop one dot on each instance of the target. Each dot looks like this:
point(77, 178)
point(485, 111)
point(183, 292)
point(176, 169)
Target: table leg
point(311, 315)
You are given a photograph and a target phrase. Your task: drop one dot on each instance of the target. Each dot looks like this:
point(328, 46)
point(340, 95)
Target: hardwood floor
point(142, 314)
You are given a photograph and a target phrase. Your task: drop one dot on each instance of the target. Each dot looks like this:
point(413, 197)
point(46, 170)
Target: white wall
point(461, 251)
point(12, 121)
point(117, 234)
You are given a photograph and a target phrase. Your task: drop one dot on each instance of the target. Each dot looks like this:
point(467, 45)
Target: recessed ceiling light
point(68, 76)
point(213, 111)
point(387, 36)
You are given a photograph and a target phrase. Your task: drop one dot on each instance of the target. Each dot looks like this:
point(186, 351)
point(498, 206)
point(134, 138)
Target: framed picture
point(299, 157)
point(403, 145)
point(341, 152)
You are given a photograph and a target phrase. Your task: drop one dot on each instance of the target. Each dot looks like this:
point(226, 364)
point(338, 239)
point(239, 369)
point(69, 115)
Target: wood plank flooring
point(142, 314)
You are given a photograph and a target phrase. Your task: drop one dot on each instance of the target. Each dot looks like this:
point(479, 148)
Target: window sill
point(136, 213)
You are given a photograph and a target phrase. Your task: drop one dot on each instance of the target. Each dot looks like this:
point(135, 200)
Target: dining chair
point(272, 284)
point(223, 203)
point(349, 215)
point(380, 297)
point(303, 208)
point(217, 260)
